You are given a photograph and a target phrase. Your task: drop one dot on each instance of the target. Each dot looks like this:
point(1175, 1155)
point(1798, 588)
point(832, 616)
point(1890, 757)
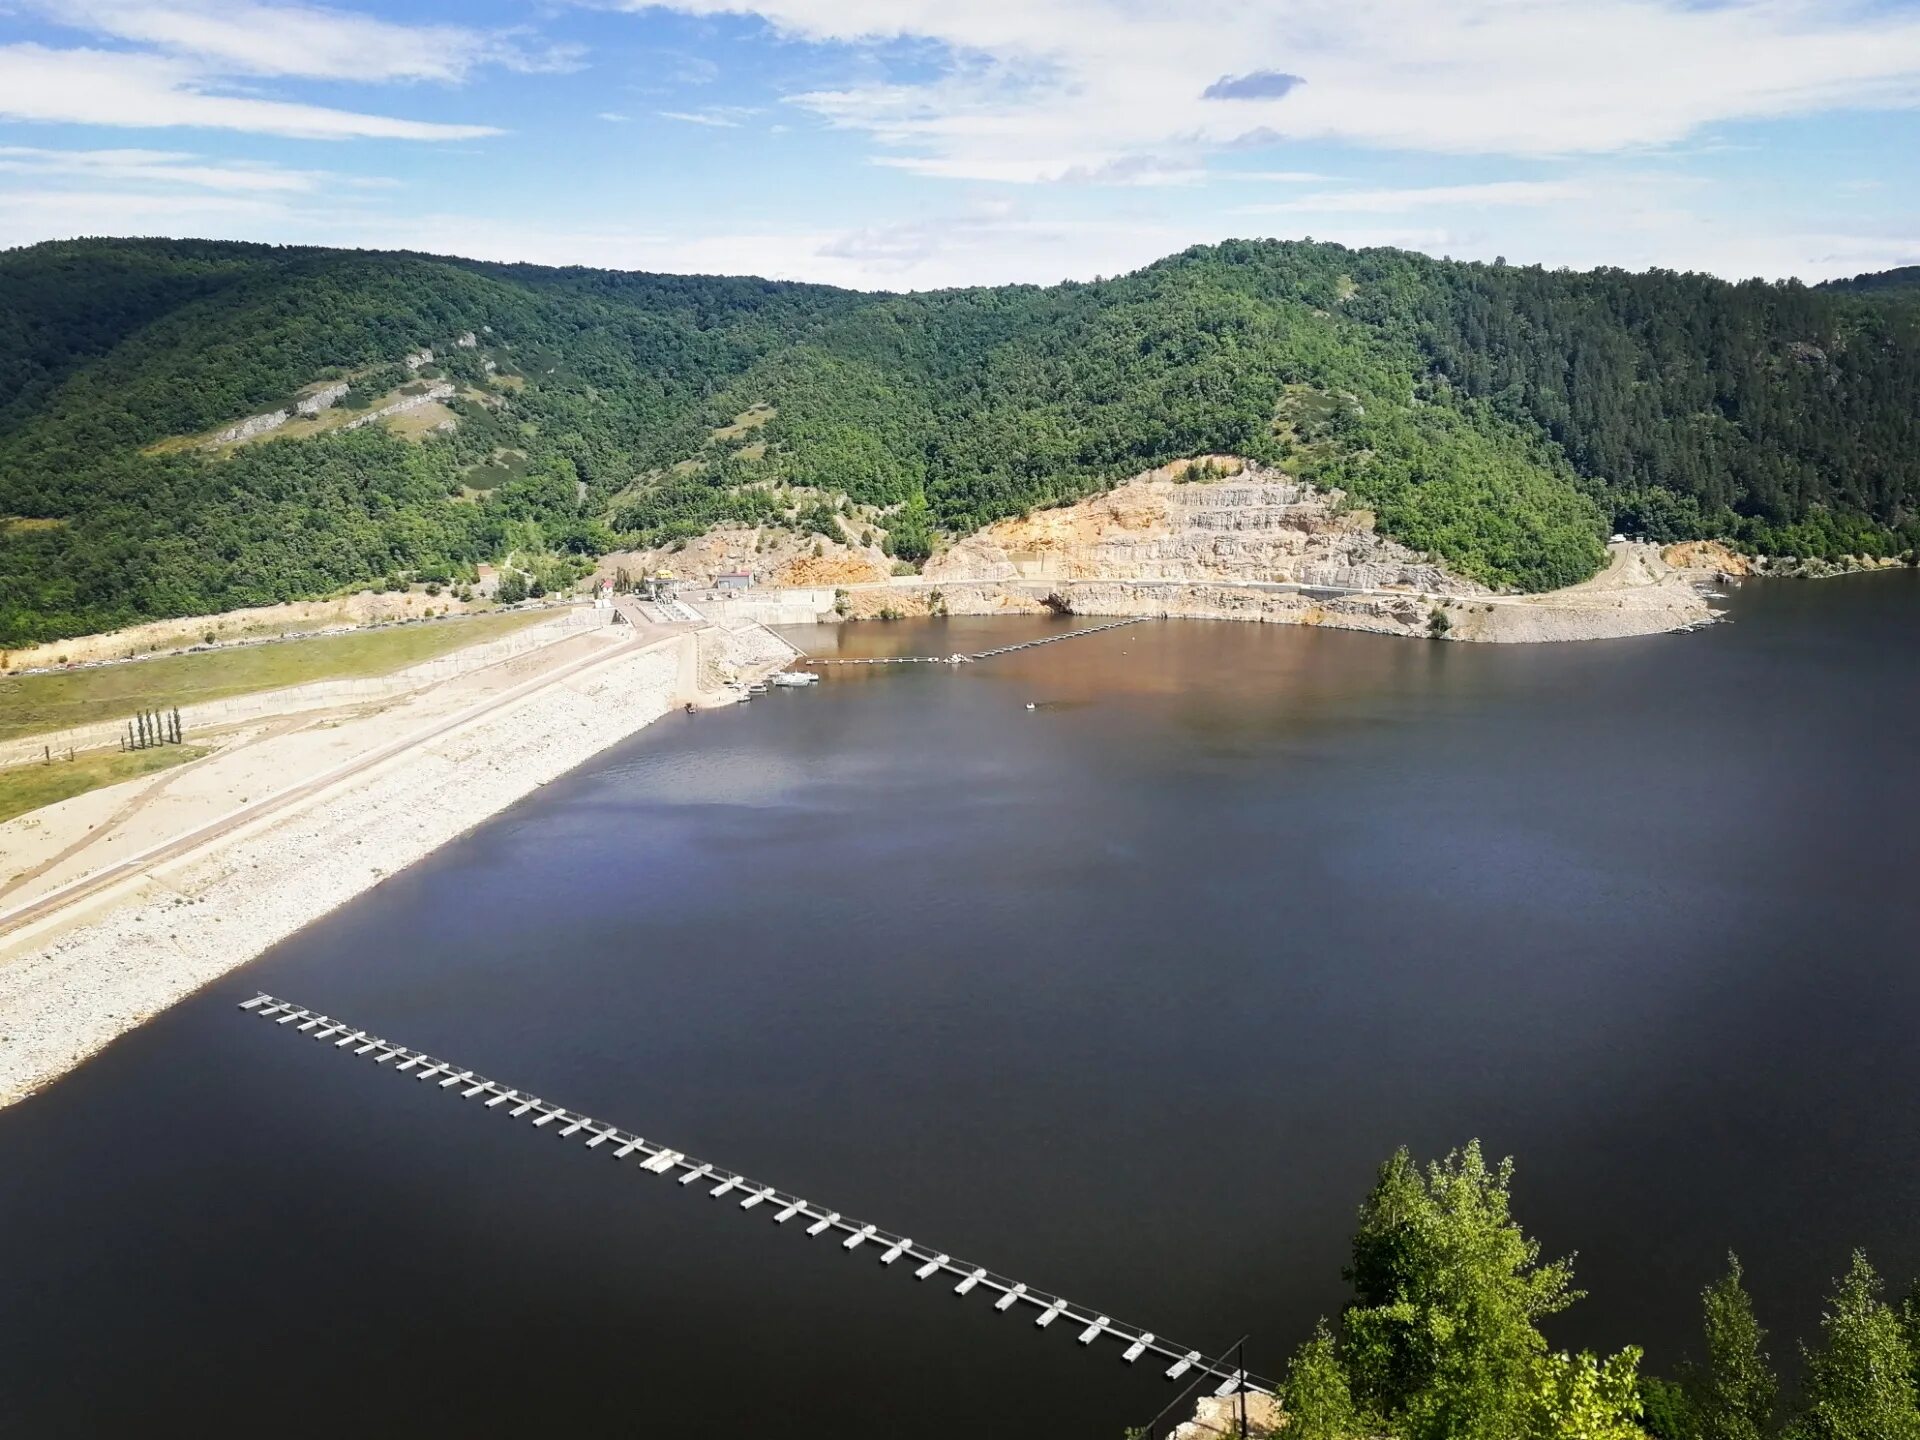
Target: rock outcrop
point(440, 390)
point(774, 556)
point(322, 399)
point(1258, 526)
point(249, 428)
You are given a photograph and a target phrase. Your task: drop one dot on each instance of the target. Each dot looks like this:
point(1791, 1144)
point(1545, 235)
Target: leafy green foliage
point(1317, 1395)
point(1443, 1337)
point(1762, 407)
point(1665, 1410)
point(1860, 1381)
point(1732, 1396)
point(1577, 1397)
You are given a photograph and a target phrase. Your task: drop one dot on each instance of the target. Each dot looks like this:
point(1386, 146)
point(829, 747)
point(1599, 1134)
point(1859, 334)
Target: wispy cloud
point(1275, 177)
point(1425, 197)
point(110, 87)
point(1031, 91)
point(165, 169)
point(203, 64)
point(1136, 170)
point(251, 38)
point(720, 117)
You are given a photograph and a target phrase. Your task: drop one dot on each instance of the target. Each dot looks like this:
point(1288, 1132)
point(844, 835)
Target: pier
point(719, 1182)
point(958, 658)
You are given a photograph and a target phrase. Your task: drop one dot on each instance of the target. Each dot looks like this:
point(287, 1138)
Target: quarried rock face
point(1257, 526)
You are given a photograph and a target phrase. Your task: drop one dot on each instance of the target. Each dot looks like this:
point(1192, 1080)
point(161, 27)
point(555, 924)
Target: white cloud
point(244, 37)
point(720, 117)
point(986, 243)
point(1032, 90)
point(1276, 177)
point(160, 168)
point(1426, 197)
point(102, 87)
point(29, 216)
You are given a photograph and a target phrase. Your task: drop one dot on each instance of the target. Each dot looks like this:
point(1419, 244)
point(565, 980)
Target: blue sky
point(917, 143)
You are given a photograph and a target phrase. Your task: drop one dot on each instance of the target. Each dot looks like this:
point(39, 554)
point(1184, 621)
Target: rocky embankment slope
point(72, 981)
point(1218, 537)
point(1257, 526)
point(1263, 546)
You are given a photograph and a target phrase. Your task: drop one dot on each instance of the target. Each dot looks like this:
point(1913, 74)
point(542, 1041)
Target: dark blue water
point(1124, 996)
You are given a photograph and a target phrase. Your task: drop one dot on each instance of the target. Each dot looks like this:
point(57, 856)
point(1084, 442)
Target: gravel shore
point(197, 918)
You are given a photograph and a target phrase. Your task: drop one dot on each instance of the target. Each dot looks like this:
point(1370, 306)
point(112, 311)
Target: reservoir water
point(1124, 995)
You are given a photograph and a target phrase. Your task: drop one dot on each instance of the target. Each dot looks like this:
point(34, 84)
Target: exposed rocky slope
point(1260, 545)
point(772, 555)
point(1258, 525)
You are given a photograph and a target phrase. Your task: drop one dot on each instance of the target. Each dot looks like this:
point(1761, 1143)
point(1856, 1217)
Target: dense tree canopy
point(1443, 1339)
point(1499, 417)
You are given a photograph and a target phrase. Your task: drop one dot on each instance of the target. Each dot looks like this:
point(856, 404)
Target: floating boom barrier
point(925, 1261)
point(958, 658)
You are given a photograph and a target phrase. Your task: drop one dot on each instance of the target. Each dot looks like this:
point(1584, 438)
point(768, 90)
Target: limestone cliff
point(439, 390)
point(248, 429)
point(1258, 525)
point(322, 398)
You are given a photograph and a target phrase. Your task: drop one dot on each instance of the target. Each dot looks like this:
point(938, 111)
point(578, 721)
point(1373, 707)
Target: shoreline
point(1638, 593)
point(93, 954)
point(94, 957)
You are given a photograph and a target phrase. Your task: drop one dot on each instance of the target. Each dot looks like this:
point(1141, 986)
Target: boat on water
point(756, 688)
point(793, 679)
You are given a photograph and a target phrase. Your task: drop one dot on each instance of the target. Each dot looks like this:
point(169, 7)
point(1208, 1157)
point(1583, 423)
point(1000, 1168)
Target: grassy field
point(36, 704)
point(28, 787)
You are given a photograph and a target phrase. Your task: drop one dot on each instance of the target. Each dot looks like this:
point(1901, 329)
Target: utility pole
point(1240, 1369)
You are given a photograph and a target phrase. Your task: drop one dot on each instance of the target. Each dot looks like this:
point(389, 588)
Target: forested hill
point(1504, 418)
point(1904, 281)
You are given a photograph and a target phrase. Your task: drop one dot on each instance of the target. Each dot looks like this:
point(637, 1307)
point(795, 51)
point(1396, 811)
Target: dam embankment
point(180, 903)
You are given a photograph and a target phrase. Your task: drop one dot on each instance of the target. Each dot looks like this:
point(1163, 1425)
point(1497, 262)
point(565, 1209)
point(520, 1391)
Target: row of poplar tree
point(152, 727)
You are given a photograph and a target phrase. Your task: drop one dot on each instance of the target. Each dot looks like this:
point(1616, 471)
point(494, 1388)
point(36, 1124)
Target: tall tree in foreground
point(1317, 1396)
point(1442, 1339)
point(1860, 1382)
point(1910, 1327)
point(1732, 1396)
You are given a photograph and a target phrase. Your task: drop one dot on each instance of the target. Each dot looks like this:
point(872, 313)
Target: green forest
point(1503, 418)
point(1441, 1340)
